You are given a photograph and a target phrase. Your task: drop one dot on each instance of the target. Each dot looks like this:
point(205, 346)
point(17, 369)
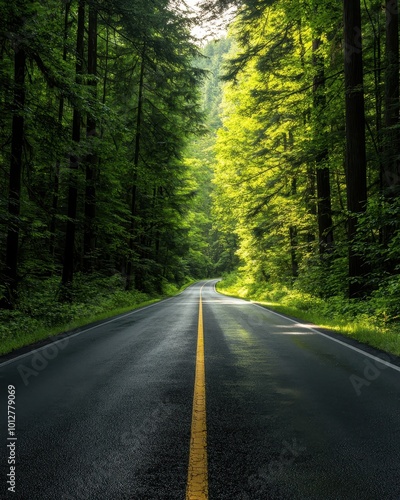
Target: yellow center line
point(197, 484)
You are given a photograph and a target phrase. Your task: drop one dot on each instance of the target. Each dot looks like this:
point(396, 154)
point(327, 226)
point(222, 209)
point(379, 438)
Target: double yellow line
point(197, 484)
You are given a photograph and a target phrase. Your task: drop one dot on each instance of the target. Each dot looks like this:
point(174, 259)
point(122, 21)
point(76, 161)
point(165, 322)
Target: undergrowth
point(40, 314)
point(373, 321)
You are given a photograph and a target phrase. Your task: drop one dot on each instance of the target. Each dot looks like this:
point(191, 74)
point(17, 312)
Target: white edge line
point(360, 351)
point(364, 353)
point(88, 329)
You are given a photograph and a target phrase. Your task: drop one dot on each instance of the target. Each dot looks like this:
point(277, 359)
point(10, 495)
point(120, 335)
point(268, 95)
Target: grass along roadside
point(23, 327)
point(338, 315)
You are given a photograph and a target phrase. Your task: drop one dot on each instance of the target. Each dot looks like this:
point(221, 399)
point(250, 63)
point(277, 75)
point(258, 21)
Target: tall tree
point(390, 175)
point(14, 197)
point(138, 137)
point(69, 248)
point(325, 229)
point(356, 162)
point(61, 108)
point(91, 160)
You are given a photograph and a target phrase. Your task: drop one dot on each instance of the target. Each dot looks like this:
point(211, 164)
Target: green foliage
point(92, 295)
point(39, 315)
point(208, 250)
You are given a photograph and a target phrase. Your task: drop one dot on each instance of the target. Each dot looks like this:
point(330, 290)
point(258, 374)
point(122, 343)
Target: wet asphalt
point(105, 413)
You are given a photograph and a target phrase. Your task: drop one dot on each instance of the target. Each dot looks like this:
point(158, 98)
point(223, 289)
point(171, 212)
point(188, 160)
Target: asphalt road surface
point(291, 413)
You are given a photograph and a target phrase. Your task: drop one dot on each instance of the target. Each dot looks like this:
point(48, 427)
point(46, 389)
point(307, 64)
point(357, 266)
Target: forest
point(99, 100)
point(135, 159)
point(307, 157)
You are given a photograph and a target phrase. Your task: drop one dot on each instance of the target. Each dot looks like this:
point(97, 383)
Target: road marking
point(197, 484)
point(311, 329)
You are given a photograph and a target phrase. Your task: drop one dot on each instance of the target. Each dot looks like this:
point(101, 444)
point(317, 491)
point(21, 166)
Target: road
point(291, 412)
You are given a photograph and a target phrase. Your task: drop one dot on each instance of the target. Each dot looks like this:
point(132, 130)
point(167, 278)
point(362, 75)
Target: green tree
point(356, 161)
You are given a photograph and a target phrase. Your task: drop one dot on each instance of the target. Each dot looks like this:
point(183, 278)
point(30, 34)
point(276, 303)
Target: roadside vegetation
point(368, 322)
point(40, 316)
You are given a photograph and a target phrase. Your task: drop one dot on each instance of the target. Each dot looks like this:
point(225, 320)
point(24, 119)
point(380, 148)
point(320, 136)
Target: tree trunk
point(14, 196)
point(378, 91)
point(325, 229)
point(293, 239)
point(129, 272)
point(356, 164)
point(91, 161)
point(390, 178)
point(68, 268)
point(56, 181)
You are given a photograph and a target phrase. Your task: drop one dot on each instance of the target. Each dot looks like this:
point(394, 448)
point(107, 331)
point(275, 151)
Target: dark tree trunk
point(325, 229)
point(129, 271)
point(293, 239)
point(378, 91)
point(310, 203)
point(91, 161)
point(56, 181)
point(14, 196)
point(68, 268)
point(105, 77)
point(293, 254)
point(356, 164)
point(54, 207)
point(390, 177)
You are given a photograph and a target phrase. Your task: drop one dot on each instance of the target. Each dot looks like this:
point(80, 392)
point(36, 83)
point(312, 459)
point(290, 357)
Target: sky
point(207, 30)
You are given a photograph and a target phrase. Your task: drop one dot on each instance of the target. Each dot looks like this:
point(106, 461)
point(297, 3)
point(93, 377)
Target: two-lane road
point(290, 413)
